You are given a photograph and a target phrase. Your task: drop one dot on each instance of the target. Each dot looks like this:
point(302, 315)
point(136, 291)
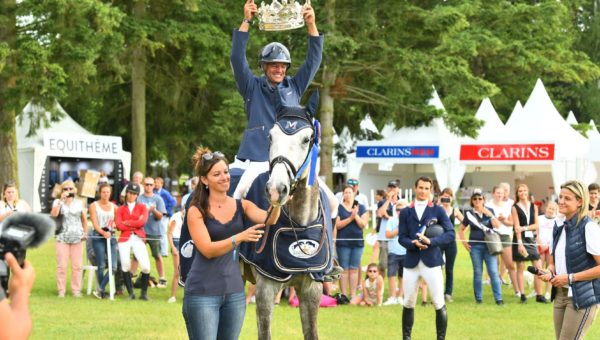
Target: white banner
point(83, 146)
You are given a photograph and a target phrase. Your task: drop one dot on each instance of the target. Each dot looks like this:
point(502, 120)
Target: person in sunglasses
point(215, 308)
point(68, 241)
point(481, 217)
point(258, 91)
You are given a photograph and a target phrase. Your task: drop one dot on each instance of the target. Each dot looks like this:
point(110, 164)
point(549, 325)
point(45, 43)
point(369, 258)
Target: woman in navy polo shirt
point(477, 218)
point(352, 219)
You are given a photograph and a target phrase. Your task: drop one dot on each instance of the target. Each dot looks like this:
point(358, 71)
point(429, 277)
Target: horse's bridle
point(291, 170)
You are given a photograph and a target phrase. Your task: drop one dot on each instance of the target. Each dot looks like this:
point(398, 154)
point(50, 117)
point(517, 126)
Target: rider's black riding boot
point(128, 285)
point(145, 280)
point(408, 318)
point(441, 323)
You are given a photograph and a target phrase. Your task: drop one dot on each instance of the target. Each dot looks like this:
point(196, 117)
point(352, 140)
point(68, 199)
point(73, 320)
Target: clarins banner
point(507, 152)
point(398, 151)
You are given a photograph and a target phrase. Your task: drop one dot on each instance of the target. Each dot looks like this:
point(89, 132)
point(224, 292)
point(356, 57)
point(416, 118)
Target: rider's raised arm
point(309, 68)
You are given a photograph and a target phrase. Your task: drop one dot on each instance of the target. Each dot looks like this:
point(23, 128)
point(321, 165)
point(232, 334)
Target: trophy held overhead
point(280, 15)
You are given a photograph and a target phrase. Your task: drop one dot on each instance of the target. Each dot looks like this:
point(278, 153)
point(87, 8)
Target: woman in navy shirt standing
point(214, 302)
point(475, 219)
point(352, 219)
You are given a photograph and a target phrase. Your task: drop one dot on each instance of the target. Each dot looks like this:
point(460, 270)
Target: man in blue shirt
point(153, 227)
point(170, 203)
point(258, 91)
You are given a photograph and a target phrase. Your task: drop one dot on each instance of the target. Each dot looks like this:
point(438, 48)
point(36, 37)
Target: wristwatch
point(249, 22)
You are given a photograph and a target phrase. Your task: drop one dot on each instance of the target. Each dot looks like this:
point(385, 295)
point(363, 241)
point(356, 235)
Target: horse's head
point(292, 139)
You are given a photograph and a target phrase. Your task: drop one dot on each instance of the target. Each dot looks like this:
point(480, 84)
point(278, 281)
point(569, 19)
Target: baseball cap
point(393, 184)
point(134, 188)
point(352, 181)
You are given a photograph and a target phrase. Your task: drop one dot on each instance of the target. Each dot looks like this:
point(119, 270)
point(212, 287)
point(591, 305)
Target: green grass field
point(89, 318)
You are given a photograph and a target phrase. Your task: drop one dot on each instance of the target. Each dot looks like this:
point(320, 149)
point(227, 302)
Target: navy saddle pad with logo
point(291, 251)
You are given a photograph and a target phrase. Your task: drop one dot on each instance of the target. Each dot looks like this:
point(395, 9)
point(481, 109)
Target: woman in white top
point(173, 235)
point(68, 240)
point(10, 202)
point(525, 217)
point(102, 214)
point(502, 211)
point(544, 236)
point(574, 269)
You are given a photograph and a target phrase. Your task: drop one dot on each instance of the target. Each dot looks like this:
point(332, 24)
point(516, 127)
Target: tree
point(46, 48)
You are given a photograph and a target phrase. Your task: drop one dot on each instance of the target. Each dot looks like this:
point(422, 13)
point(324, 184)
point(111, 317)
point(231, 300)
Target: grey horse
point(292, 186)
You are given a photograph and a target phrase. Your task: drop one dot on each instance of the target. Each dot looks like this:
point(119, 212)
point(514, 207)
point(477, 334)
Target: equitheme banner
point(507, 152)
point(397, 151)
point(84, 146)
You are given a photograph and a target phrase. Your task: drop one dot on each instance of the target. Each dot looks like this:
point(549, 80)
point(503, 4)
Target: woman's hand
point(106, 234)
point(252, 234)
point(522, 250)
point(560, 280)
point(354, 212)
point(174, 251)
point(518, 229)
point(467, 246)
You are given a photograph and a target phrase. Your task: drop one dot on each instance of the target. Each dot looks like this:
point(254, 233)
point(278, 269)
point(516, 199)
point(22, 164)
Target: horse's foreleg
point(309, 294)
point(266, 290)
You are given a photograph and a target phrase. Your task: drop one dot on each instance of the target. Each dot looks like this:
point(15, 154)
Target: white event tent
point(539, 122)
point(408, 153)
point(60, 149)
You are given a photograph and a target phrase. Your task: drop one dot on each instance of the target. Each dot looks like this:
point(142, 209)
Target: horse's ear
point(313, 103)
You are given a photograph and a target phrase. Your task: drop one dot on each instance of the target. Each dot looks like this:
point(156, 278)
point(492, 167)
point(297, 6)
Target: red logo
point(507, 152)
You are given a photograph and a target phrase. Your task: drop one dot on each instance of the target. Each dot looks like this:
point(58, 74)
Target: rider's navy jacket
point(258, 94)
point(408, 227)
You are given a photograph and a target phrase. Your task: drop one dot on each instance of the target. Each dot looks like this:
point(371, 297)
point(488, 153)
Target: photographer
point(68, 241)
point(15, 321)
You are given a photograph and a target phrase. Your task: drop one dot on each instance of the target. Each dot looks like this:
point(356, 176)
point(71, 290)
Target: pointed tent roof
point(367, 124)
point(64, 124)
point(492, 125)
point(516, 112)
point(540, 112)
point(593, 133)
point(571, 118)
point(435, 131)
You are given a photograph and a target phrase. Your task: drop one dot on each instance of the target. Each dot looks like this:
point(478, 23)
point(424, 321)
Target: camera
point(71, 195)
point(14, 239)
point(355, 204)
point(19, 232)
point(445, 199)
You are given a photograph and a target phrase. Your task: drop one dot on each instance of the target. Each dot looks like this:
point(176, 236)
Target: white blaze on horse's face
point(294, 148)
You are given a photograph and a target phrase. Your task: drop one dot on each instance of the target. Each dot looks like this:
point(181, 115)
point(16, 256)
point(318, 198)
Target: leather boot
point(145, 280)
point(441, 323)
point(408, 318)
point(128, 285)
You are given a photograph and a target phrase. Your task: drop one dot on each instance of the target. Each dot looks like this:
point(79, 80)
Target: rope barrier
point(350, 239)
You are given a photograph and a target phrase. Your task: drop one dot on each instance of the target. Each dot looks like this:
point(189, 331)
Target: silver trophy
point(280, 15)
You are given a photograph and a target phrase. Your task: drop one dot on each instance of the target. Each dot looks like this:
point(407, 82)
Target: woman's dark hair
point(104, 185)
point(203, 161)
point(447, 191)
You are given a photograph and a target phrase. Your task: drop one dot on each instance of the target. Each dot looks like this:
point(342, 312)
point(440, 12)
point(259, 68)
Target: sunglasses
point(352, 182)
point(148, 184)
point(210, 155)
point(67, 189)
point(478, 199)
point(372, 271)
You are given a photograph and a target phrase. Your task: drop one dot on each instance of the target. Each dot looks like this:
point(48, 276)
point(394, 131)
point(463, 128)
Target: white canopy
point(539, 121)
point(63, 138)
point(571, 118)
point(433, 144)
